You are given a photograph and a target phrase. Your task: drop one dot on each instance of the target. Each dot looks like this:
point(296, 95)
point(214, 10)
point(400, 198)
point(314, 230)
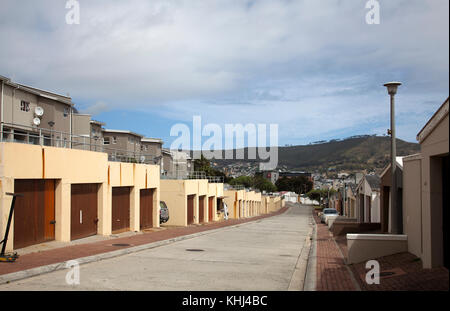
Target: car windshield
point(162, 204)
point(330, 211)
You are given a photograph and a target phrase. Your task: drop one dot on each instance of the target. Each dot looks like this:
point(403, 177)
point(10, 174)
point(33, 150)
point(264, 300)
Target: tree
point(320, 194)
point(203, 165)
point(263, 184)
point(245, 181)
point(257, 182)
point(299, 185)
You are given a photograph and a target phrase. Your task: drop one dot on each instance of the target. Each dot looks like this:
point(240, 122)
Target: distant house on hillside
point(272, 176)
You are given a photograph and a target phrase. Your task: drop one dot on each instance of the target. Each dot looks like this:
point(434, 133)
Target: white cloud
point(314, 65)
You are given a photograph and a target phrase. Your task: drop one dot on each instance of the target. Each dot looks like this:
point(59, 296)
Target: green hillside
point(354, 153)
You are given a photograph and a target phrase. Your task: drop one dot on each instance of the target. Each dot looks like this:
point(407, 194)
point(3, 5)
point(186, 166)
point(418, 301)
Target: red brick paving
point(63, 254)
point(332, 274)
point(410, 276)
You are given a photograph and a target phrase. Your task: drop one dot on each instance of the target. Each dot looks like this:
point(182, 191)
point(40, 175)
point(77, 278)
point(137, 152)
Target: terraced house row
point(77, 179)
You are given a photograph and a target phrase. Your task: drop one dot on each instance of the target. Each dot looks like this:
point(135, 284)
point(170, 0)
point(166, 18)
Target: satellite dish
point(142, 159)
point(36, 121)
point(39, 111)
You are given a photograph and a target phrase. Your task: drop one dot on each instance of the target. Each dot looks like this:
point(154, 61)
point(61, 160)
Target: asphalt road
point(261, 255)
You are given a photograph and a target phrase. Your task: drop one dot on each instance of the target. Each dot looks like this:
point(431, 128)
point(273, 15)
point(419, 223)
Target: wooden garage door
point(83, 210)
point(120, 209)
point(211, 209)
point(201, 208)
point(190, 209)
point(34, 213)
point(146, 208)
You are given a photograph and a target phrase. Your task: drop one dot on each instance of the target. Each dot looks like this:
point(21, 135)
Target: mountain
point(355, 153)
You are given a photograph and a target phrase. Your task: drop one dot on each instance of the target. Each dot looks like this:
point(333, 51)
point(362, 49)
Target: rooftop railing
point(33, 135)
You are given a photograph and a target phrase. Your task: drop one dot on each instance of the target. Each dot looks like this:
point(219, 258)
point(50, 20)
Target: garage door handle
point(52, 222)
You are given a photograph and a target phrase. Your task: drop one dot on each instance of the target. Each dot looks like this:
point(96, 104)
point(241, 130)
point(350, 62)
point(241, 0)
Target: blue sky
point(314, 67)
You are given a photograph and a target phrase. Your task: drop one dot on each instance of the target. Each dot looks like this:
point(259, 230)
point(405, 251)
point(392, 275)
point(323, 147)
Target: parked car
point(163, 212)
point(327, 212)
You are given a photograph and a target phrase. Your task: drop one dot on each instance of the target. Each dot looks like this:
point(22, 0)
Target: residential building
point(81, 130)
point(385, 194)
point(350, 201)
point(272, 176)
point(69, 194)
point(368, 199)
point(122, 145)
point(176, 164)
point(96, 135)
point(34, 116)
point(424, 209)
point(425, 192)
point(166, 162)
point(290, 174)
point(152, 150)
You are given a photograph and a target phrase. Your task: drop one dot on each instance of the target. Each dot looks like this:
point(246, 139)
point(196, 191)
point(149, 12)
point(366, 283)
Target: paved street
point(261, 255)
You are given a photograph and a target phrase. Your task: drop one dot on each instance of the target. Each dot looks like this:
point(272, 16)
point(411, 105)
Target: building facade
point(425, 192)
point(124, 146)
point(34, 116)
point(152, 150)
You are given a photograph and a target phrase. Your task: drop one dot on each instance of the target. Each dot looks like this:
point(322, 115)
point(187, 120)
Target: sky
point(314, 67)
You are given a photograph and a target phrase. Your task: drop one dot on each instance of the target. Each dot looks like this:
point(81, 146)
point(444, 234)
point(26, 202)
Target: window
point(114, 139)
point(25, 106)
point(66, 111)
point(106, 141)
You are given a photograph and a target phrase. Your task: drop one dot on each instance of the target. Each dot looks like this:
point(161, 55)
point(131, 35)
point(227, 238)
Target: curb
point(352, 277)
point(311, 268)
point(24, 274)
point(298, 278)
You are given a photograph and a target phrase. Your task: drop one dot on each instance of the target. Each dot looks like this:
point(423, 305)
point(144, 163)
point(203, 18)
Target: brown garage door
point(190, 209)
point(210, 209)
point(120, 209)
point(83, 210)
point(146, 208)
point(201, 208)
point(34, 213)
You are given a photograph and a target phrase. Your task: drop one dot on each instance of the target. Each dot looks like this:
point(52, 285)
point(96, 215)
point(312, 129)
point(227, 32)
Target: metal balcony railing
point(17, 133)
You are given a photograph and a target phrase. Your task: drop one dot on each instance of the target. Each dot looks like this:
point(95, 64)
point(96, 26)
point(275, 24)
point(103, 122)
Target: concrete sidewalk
point(36, 263)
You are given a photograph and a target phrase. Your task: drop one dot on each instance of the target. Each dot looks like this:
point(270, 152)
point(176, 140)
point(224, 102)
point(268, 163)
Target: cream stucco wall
point(232, 203)
point(175, 193)
point(212, 193)
point(72, 166)
point(235, 198)
point(364, 247)
point(422, 196)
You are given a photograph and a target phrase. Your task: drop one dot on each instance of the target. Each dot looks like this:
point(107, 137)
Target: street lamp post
point(394, 214)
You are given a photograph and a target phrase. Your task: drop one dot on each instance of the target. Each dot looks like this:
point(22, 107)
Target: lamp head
point(392, 87)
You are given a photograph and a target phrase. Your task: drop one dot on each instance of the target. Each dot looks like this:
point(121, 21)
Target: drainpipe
point(70, 130)
point(12, 110)
point(1, 112)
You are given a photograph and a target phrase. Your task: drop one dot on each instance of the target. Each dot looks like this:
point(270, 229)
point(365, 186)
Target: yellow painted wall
point(175, 192)
point(72, 166)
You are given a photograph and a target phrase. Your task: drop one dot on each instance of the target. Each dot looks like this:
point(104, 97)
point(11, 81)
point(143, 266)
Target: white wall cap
point(380, 237)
